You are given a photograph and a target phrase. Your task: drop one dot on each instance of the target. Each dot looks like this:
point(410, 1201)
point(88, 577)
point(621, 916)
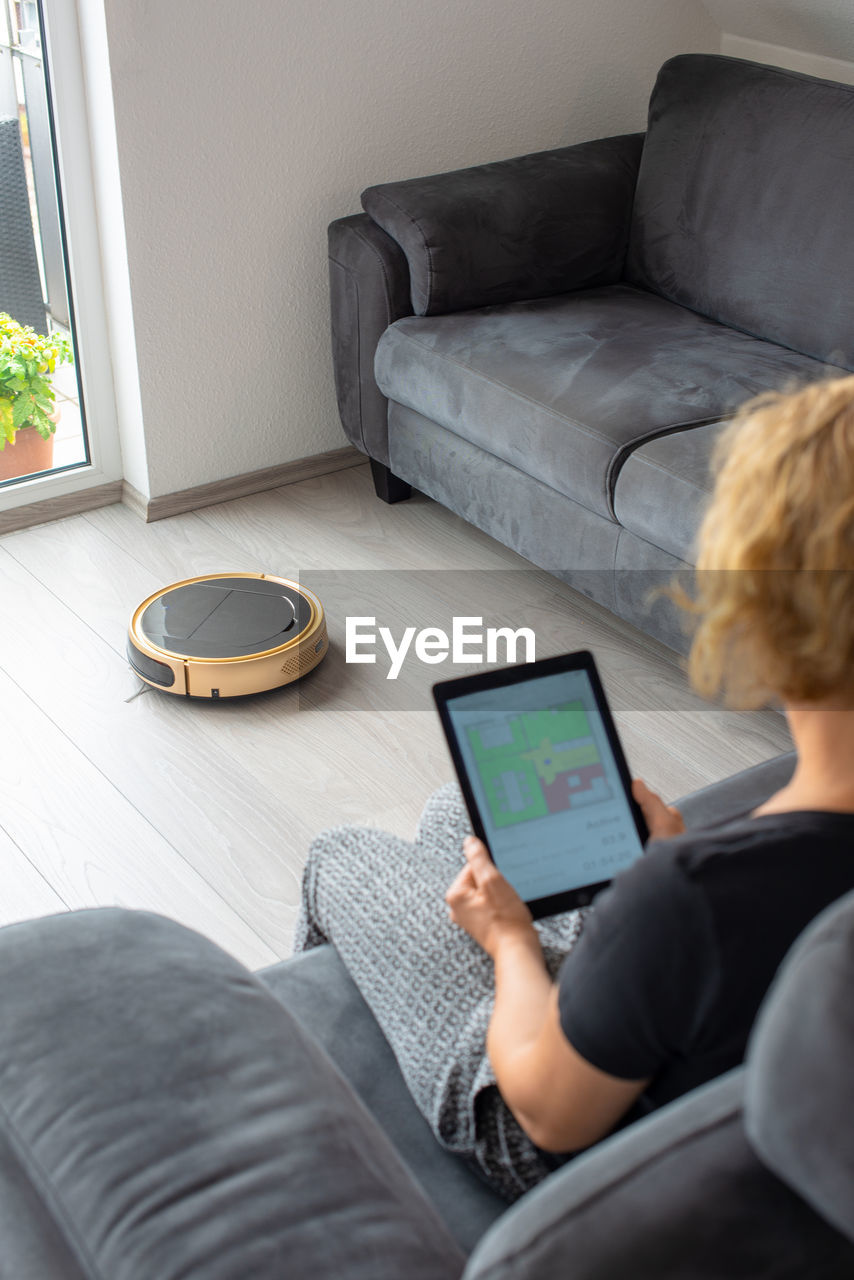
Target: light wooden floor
point(114, 793)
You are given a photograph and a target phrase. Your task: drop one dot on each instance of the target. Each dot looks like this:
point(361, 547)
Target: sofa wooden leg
point(388, 486)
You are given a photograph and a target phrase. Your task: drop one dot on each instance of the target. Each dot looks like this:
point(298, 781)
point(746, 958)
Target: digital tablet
point(544, 777)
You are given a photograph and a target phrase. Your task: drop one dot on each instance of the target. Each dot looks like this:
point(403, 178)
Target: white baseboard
point(242, 486)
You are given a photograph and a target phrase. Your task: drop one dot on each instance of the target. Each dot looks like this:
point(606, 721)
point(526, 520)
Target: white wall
point(811, 64)
point(243, 130)
point(812, 36)
point(824, 28)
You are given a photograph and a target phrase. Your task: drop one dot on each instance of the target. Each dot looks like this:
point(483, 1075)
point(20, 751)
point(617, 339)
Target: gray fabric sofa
point(164, 1113)
point(549, 345)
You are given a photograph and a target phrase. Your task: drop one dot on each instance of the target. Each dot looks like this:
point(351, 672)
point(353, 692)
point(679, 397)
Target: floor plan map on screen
point(538, 762)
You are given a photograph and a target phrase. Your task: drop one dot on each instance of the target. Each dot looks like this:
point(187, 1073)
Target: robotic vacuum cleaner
point(224, 635)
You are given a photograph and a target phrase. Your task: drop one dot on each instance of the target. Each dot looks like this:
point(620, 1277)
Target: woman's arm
point(560, 1099)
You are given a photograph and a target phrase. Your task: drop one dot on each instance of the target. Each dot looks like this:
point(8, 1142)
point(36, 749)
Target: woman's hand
point(663, 820)
point(486, 905)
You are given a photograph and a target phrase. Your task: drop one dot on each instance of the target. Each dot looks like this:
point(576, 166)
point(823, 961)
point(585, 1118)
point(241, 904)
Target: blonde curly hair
point(774, 593)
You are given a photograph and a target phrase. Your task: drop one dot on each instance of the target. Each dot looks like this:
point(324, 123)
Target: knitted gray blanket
point(380, 901)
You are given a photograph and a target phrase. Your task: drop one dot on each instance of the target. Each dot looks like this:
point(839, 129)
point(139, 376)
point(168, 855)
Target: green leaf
point(22, 410)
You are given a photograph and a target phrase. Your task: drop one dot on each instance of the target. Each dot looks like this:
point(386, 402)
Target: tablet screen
point(546, 783)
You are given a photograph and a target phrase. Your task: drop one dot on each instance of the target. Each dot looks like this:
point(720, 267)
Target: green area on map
point(521, 758)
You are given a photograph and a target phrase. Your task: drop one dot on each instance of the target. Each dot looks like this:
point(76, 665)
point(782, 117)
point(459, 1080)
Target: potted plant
point(28, 414)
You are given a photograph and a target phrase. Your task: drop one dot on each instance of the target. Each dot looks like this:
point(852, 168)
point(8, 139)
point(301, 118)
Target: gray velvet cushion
point(800, 1090)
point(524, 228)
point(317, 989)
point(162, 1116)
point(564, 388)
point(743, 204)
point(678, 1196)
point(738, 795)
point(664, 485)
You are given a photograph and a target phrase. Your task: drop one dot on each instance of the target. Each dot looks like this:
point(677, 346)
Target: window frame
point(72, 131)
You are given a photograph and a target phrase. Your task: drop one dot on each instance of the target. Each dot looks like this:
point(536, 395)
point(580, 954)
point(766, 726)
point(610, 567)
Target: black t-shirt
point(677, 954)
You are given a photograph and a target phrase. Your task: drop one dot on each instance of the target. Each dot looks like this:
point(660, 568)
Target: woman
point(586, 1028)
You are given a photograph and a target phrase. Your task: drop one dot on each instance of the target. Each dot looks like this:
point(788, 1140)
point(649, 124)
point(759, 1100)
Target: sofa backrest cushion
point(800, 1078)
point(679, 1194)
point(163, 1116)
point(743, 209)
point(530, 227)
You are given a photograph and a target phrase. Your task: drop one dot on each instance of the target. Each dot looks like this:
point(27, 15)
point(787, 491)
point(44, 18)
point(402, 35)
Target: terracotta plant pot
point(28, 455)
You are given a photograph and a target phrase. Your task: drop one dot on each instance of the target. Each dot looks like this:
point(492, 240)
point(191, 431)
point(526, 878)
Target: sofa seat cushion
point(564, 388)
point(663, 486)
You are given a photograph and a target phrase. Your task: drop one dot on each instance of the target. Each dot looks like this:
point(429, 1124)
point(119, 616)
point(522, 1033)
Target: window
point(50, 259)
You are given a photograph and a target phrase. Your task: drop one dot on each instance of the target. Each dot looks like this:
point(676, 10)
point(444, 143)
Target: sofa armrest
point(317, 990)
point(369, 290)
point(736, 796)
point(163, 1116)
point(799, 1077)
point(530, 227)
point(678, 1194)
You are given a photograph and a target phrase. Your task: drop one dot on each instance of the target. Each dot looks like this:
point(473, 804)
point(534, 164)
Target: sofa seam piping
point(626, 451)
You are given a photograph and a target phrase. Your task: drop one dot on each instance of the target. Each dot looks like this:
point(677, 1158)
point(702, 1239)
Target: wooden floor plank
point(25, 893)
point(206, 805)
point(180, 547)
point(337, 522)
point(90, 843)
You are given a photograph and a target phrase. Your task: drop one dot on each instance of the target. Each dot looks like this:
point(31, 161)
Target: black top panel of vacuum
point(225, 617)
